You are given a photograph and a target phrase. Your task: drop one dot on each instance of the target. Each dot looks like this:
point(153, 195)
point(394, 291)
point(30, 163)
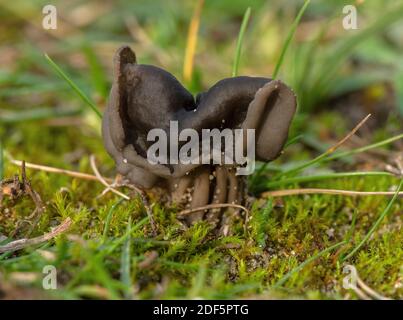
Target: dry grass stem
point(213, 206)
point(23, 243)
point(291, 192)
point(70, 173)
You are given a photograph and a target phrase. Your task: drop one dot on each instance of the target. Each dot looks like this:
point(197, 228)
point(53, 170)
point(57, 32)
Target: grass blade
point(320, 177)
point(118, 241)
point(365, 148)
point(264, 166)
point(349, 235)
point(79, 92)
point(326, 157)
point(125, 276)
point(192, 42)
point(109, 218)
point(329, 151)
point(293, 140)
point(262, 217)
point(280, 282)
point(244, 24)
point(198, 282)
point(377, 223)
point(289, 38)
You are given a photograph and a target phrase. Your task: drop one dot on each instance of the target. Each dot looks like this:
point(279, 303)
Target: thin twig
point(28, 188)
point(370, 291)
point(348, 136)
point(36, 198)
point(115, 184)
point(360, 293)
point(363, 291)
point(364, 148)
point(98, 177)
point(398, 170)
point(213, 206)
point(23, 243)
point(290, 192)
point(103, 180)
point(70, 173)
point(332, 149)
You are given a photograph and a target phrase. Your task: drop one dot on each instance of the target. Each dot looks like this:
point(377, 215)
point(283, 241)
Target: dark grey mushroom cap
point(144, 97)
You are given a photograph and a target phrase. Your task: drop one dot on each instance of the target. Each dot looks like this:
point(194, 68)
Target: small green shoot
point(289, 38)
point(125, 275)
point(77, 90)
point(284, 279)
point(328, 176)
point(376, 224)
point(109, 218)
point(239, 42)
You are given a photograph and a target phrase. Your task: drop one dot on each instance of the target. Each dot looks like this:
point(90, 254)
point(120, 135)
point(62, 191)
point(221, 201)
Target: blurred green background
point(324, 60)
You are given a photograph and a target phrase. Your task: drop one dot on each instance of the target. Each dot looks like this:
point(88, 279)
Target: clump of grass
point(318, 71)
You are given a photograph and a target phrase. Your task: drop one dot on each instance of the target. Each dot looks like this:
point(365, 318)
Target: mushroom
point(145, 97)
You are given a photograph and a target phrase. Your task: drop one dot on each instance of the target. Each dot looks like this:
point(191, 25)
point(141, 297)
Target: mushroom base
point(206, 185)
